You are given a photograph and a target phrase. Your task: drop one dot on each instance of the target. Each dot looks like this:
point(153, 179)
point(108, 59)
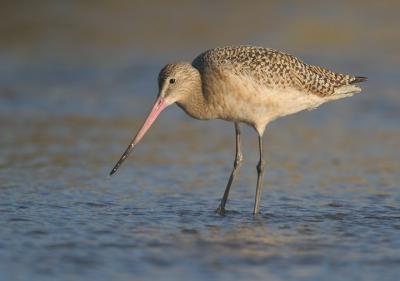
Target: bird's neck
point(195, 104)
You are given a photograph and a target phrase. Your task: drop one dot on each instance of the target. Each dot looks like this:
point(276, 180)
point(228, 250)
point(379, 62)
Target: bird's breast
point(241, 98)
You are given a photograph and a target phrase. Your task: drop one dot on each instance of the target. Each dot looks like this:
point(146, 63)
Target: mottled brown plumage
point(275, 69)
point(251, 85)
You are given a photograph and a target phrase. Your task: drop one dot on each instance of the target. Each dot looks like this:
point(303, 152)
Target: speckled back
point(274, 69)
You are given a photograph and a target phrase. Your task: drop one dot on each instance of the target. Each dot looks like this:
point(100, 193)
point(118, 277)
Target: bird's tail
point(358, 79)
point(350, 88)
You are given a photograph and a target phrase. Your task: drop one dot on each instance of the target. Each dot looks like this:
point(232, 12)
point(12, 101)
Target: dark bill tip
point(122, 159)
point(113, 171)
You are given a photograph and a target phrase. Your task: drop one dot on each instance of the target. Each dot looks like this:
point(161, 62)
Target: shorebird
point(245, 85)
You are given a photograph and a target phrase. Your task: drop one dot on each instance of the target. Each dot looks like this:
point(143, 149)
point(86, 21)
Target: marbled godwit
point(245, 84)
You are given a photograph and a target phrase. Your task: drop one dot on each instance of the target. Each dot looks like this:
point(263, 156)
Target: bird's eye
point(172, 80)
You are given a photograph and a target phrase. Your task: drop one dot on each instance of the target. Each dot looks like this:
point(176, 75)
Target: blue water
point(77, 84)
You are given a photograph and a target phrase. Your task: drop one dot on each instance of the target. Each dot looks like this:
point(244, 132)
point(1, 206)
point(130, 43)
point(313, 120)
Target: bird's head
point(176, 82)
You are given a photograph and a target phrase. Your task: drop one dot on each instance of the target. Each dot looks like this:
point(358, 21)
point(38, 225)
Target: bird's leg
point(260, 177)
point(235, 170)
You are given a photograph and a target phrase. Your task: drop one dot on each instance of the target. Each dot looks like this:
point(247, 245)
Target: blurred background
point(78, 77)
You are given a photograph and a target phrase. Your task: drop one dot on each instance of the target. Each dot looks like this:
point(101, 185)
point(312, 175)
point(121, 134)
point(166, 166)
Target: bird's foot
point(220, 210)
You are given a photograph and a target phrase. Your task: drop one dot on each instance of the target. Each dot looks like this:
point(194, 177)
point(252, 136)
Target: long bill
point(159, 106)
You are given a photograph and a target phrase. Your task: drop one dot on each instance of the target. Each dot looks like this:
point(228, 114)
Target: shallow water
point(331, 203)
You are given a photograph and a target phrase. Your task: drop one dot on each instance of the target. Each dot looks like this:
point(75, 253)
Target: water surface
point(77, 83)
